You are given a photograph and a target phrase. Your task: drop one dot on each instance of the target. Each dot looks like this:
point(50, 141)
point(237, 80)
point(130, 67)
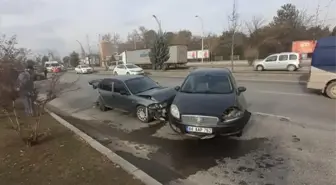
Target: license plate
point(199, 129)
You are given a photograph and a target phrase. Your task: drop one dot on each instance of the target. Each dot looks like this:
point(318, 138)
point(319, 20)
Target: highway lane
point(288, 100)
point(273, 150)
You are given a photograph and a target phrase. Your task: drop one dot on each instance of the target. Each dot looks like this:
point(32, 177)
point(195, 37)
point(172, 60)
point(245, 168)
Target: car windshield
point(54, 65)
point(142, 84)
point(131, 66)
point(208, 84)
point(84, 66)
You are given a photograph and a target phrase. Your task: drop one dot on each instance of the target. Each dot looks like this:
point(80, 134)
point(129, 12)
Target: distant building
point(107, 50)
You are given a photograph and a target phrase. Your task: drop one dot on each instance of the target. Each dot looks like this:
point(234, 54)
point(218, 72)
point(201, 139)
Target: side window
point(293, 57)
point(118, 87)
point(283, 57)
point(105, 85)
point(121, 66)
point(272, 58)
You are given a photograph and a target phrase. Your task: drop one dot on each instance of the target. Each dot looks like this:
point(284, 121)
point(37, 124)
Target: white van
point(51, 64)
point(280, 61)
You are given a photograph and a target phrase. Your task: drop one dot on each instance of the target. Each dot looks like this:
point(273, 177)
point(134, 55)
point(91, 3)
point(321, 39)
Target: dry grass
point(61, 158)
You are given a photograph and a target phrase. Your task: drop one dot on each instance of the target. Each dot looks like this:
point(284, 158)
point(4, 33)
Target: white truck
point(178, 57)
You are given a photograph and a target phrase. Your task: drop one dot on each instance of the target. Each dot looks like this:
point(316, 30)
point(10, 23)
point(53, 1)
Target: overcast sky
point(57, 24)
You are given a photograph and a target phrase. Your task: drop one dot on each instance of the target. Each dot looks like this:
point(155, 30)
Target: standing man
point(25, 87)
point(45, 72)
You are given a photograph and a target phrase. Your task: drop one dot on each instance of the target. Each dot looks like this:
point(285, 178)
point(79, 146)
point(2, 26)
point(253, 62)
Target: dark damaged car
point(209, 103)
point(136, 94)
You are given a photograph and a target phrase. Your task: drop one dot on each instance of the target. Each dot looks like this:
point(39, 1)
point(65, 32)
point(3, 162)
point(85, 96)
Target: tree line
point(257, 41)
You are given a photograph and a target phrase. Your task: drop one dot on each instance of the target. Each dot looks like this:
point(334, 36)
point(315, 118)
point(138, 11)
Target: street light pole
point(158, 22)
point(202, 35)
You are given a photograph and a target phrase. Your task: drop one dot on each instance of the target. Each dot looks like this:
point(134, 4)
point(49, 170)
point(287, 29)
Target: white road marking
point(271, 115)
point(283, 93)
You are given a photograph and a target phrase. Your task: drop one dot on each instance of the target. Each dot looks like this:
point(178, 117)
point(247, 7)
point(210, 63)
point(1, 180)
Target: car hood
point(204, 104)
point(87, 68)
point(159, 94)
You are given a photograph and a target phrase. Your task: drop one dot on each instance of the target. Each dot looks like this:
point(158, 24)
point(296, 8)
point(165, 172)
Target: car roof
point(124, 77)
point(215, 71)
point(286, 53)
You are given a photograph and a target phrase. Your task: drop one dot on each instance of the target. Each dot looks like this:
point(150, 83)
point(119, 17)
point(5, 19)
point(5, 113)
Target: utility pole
point(159, 23)
point(202, 25)
point(89, 48)
point(234, 24)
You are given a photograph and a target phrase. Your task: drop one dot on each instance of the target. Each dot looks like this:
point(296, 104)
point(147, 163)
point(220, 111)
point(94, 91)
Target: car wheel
point(128, 73)
point(115, 73)
point(142, 115)
point(260, 68)
point(291, 68)
point(331, 90)
point(102, 106)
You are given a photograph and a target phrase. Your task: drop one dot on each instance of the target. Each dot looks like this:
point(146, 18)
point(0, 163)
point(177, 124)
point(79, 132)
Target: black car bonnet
point(204, 104)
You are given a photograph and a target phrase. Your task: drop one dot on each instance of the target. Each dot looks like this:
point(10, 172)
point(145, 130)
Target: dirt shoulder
point(61, 158)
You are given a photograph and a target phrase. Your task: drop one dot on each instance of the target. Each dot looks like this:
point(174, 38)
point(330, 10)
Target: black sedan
point(209, 103)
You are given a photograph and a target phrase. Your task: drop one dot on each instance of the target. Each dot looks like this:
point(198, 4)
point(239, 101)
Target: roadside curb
point(115, 158)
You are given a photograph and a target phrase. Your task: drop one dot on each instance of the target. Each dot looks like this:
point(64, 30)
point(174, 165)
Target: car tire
point(291, 68)
point(127, 73)
point(260, 68)
point(142, 114)
point(101, 105)
point(115, 73)
point(331, 90)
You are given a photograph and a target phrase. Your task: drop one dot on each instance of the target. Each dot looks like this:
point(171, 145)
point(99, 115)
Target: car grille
point(199, 120)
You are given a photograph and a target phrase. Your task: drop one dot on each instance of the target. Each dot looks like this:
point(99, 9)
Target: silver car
point(134, 93)
point(281, 61)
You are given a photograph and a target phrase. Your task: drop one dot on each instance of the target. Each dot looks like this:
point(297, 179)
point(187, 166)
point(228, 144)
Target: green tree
point(45, 59)
point(66, 60)
point(74, 59)
point(159, 52)
point(333, 33)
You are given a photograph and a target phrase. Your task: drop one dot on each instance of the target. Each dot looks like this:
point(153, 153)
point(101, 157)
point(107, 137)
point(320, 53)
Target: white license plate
point(199, 129)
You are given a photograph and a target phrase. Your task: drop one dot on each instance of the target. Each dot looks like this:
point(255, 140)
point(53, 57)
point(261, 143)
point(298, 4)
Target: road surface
point(290, 138)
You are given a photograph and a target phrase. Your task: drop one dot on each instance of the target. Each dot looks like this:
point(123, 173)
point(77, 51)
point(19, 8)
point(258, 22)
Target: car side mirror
point(241, 89)
point(177, 88)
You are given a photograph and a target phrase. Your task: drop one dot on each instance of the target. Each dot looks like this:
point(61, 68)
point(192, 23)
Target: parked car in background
point(209, 103)
point(134, 93)
point(281, 61)
point(83, 69)
point(128, 69)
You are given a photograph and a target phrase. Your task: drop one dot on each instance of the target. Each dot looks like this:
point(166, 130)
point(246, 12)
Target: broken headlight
point(157, 105)
point(231, 114)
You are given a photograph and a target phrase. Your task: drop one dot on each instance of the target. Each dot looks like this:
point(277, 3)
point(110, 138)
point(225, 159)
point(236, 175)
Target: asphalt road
point(290, 138)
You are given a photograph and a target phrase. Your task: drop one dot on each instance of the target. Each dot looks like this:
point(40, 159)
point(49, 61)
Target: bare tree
point(255, 24)
point(234, 24)
point(134, 38)
point(10, 67)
